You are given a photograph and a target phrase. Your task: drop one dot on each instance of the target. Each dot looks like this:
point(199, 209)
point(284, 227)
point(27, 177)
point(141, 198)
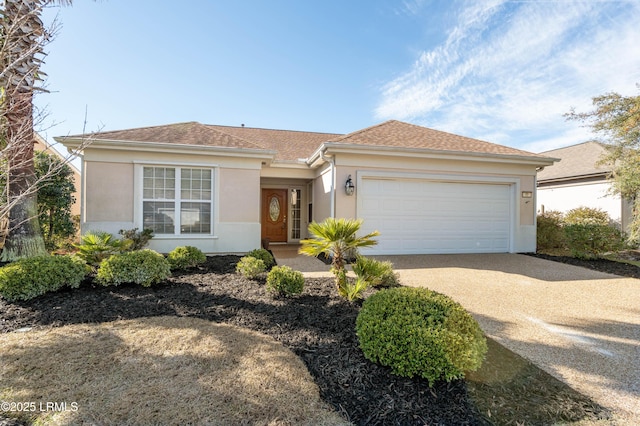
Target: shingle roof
point(293, 145)
point(575, 161)
point(190, 133)
point(404, 135)
point(290, 145)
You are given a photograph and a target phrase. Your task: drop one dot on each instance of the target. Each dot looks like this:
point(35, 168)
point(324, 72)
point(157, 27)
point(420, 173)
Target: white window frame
point(139, 198)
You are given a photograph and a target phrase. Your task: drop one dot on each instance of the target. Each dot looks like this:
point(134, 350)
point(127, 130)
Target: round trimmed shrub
point(265, 256)
point(285, 281)
point(250, 267)
point(145, 267)
point(31, 277)
point(186, 257)
point(418, 332)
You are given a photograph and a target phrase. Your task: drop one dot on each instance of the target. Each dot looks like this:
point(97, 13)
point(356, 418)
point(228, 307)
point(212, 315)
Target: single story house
point(579, 180)
point(225, 189)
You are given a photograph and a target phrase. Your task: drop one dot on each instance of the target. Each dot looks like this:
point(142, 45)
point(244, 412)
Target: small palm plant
point(96, 246)
point(335, 238)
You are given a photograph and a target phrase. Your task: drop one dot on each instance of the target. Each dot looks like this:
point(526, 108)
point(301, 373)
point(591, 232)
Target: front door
point(274, 215)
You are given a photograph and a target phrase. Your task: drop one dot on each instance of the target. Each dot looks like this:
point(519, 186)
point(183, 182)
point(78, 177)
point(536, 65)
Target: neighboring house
point(225, 189)
point(41, 144)
point(579, 180)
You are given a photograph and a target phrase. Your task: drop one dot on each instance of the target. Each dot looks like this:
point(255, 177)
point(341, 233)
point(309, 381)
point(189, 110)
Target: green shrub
point(549, 232)
point(265, 256)
point(185, 257)
point(591, 241)
point(415, 331)
point(96, 246)
point(586, 216)
point(137, 239)
point(250, 267)
point(352, 290)
point(375, 273)
point(284, 281)
point(143, 267)
point(31, 277)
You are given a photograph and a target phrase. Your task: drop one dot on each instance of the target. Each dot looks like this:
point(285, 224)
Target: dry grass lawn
point(162, 370)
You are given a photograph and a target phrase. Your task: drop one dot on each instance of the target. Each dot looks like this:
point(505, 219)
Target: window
point(296, 210)
point(177, 200)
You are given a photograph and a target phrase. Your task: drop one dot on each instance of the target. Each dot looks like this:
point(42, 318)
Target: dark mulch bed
point(318, 326)
point(602, 265)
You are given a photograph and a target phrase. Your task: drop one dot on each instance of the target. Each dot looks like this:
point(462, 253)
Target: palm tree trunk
point(23, 30)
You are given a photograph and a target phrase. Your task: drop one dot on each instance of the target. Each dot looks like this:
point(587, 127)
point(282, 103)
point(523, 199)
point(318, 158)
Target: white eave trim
point(336, 147)
point(262, 154)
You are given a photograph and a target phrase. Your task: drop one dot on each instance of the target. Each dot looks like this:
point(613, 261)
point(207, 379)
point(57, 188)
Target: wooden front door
point(274, 215)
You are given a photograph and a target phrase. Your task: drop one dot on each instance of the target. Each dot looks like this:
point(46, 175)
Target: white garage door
point(416, 216)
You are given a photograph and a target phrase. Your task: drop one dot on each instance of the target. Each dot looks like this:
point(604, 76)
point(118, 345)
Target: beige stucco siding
point(113, 191)
point(520, 177)
point(109, 192)
point(239, 195)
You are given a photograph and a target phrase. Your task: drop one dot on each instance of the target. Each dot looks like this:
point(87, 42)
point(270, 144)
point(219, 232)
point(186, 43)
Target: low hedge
point(250, 267)
point(284, 281)
point(265, 256)
point(185, 257)
point(144, 267)
point(32, 277)
point(418, 332)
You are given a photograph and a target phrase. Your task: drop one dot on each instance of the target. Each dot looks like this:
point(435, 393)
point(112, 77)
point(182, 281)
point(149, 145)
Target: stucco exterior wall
point(322, 194)
point(566, 197)
point(520, 177)
point(109, 195)
point(113, 200)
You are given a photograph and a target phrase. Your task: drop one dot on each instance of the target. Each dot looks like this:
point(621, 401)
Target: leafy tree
point(616, 120)
point(55, 197)
point(22, 37)
point(336, 238)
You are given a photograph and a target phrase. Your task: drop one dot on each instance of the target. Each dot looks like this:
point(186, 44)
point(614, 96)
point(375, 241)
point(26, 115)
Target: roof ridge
point(273, 130)
point(603, 145)
point(357, 132)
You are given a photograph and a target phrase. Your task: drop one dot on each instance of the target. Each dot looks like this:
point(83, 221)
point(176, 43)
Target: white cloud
point(509, 69)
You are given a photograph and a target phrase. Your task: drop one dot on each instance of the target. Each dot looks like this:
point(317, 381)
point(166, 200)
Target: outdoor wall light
point(527, 194)
point(349, 187)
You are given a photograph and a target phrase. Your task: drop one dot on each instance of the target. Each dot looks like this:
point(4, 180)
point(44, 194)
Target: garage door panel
point(422, 216)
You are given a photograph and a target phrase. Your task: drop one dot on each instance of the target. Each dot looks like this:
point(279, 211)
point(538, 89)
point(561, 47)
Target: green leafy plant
point(138, 239)
point(96, 246)
point(586, 216)
point(591, 241)
point(284, 281)
point(55, 198)
point(336, 238)
point(34, 276)
point(353, 289)
point(265, 256)
point(250, 267)
point(375, 272)
point(549, 232)
point(145, 267)
point(418, 332)
point(185, 257)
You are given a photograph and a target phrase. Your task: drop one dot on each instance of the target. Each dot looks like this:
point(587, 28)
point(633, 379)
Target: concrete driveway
point(581, 326)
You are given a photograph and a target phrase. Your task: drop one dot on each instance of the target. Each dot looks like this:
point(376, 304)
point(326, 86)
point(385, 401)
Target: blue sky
point(497, 70)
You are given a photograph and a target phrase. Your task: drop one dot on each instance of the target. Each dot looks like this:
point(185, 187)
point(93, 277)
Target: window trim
point(139, 197)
